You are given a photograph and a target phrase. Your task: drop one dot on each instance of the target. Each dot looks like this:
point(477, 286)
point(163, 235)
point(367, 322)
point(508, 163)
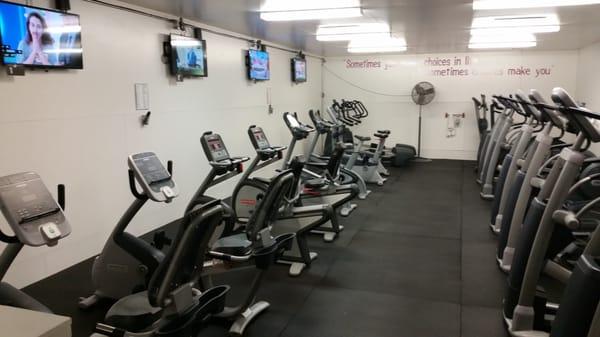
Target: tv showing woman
point(36, 41)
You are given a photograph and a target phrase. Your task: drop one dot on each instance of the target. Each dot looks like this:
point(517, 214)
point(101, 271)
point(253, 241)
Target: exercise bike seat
point(384, 131)
point(362, 138)
point(133, 313)
point(263, 180)
point(381, 135)
point(237, 245)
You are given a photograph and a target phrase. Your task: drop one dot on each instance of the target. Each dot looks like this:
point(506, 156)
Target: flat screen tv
point(38, 37)
point(298, 70)
point(258, 65)
point(188, 56)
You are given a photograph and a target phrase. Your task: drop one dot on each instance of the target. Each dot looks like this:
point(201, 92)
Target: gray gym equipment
point(536, 156)
point(126, 262)
point(326, 127)
point(36, 220)
point(487, 136)
point(517, 152)
point(553, 194)
point(495, 145)
point(249, 191)
point(172, 306)
point(324, 185)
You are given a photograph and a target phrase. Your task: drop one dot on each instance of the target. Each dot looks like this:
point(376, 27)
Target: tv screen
point(298, 70)
point(39, 37)
point(188, 56)
point(258, 65)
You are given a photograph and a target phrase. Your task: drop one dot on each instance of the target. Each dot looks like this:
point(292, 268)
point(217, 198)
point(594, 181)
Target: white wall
point(588, 76)
point(385, 84)
point(78, 127)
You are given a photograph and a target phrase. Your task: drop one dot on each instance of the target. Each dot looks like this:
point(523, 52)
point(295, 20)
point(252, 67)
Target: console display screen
point(217, 148)
point(152, 169)
point(261, 139)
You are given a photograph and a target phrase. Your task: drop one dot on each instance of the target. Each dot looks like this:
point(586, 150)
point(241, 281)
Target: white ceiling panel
point(429, 26)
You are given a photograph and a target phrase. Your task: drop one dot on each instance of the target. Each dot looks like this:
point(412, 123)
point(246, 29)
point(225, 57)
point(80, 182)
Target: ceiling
point(429, 26)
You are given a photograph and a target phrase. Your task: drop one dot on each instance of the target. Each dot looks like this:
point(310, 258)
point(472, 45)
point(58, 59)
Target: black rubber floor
point(416, 260)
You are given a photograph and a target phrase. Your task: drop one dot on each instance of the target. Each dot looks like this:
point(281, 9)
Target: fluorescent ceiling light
point(502, 45)
point(292, 10)
point(378, 45)
point(532, 22)
point(503, 38)
point(510, 4)
point(346, 32)
point(514, 30)
point(522, 40)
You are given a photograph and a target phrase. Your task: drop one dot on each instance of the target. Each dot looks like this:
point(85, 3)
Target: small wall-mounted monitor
point(37, 37)
point(298, 69)
point(257, 62)
point(188, 56)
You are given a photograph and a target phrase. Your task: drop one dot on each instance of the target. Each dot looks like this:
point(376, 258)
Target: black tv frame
point(41, 66)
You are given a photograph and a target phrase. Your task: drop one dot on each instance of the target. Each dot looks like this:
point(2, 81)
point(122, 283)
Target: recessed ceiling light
point(292, 10)
point(346, 32)
point(519, 40)
point(502, 45)
point(377, 45)
point(510, 4)
point(536, 23)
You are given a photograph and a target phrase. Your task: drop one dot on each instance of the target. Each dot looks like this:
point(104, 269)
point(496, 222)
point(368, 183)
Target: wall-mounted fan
point(422, 94)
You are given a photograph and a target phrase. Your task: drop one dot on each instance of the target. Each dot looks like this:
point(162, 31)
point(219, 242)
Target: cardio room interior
point(344, 168)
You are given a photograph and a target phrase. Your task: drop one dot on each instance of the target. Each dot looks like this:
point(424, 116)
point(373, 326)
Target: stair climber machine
point(495, 108)
point(499, 144)
point(36, 220)
point(481, 111)
point(532, 172)
point(171, 305)
point(499, 131)
point(127, 262)
point(551, 227)
point(522, 141)
point(348, 176)
point(322, 180)
point(289, 218)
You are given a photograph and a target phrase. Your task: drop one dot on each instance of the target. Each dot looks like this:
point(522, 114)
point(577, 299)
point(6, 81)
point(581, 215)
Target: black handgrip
point(132, 187)
point(170, 167)
point(60, 195)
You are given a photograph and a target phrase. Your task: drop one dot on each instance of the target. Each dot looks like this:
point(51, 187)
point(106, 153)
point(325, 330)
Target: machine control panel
point(214, 148)
point(31, 211)
point(152, 176)
point(258, 138)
